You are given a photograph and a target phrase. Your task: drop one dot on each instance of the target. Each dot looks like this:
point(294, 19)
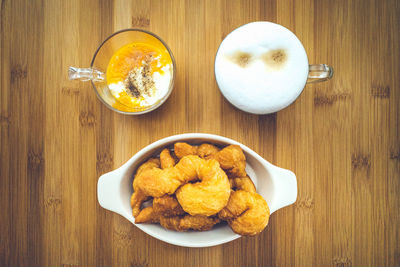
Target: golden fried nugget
point(207, 151)
point(232, 160)
point(198, 222)
point(147, 215)
point(242, 183)
point(138, 197)
point(167, 206)
point(177, 223)
point(149, 164)
point(156, 183)
point(247, 213)
point(189, 222)
point(208, 196)
point(166, 160)
point(184, 149)
point(171, 223)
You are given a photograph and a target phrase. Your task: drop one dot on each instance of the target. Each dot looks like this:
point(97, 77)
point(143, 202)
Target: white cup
point(262, 67)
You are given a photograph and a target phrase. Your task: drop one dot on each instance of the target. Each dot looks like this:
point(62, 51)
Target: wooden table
point(340, 137)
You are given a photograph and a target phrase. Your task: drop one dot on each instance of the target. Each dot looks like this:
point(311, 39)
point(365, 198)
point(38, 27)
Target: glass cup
point(96, 72)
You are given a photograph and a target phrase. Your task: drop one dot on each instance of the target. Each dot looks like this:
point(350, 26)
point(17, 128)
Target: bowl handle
point(109, 191)
point(285, 186)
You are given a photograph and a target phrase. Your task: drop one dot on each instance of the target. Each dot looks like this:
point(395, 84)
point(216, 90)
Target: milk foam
point(257, 87)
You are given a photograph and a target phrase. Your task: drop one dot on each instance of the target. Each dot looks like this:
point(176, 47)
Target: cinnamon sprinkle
point(139, 81)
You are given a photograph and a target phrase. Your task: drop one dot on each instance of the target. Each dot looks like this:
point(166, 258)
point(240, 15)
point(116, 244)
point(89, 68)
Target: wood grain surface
point(341, 137)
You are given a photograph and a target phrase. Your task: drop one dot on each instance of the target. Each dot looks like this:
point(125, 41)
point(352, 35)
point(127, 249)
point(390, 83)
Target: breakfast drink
point(261, 67)
point(139, 75)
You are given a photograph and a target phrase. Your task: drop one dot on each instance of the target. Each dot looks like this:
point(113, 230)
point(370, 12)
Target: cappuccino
point(261, 67)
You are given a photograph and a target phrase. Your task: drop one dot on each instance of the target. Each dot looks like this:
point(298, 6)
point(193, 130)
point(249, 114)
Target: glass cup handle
point(319, 73)
point(85, 74)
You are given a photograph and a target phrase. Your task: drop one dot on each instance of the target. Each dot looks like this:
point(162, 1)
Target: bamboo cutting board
point(341, 137)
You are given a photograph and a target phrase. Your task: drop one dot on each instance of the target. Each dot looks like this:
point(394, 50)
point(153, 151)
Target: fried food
point(242, 183)
point(184, 149)
point(198, 222)
point(167, 206)
point(156, 182)
point(195, 192)
point(151, 163)
point(204, 151)
point(207, 151)
point(189, 222)
point(231, 158)
point(208, 196)
point(177, 223)
point(171, 223)
point(211, 193)
point(247, 213)
point(138, 197)
point(166, 160)
point(147, 215)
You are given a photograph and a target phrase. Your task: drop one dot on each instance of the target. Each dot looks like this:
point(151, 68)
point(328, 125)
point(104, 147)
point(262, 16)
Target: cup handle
point(285, 186)
point(319, 73)
point(109, 191)
point(85, 74)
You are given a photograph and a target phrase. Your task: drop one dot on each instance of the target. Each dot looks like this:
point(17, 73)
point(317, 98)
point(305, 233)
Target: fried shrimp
point(247, 213)
point(207, 151)
point(184, 149)
point(166, 160)
point(151, 163)
point(167, 206)
point(195, 187)
point(189, 222)
point(230, 158)
point(208, 196)
point(204, 151)
point(147, 215)
point(177, 223)
point(156, 182)
point(138, 197)
point(211, 194)
point(242, 183)
point(198, 222)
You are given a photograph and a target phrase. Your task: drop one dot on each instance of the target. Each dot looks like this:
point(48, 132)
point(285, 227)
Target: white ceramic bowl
point(278, 187)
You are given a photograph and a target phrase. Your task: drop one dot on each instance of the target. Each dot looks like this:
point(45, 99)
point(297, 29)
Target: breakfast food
point(139, 74)
point(177, 223)
point(166, 159)
point(167, 206)
point(230, 158)
point(156, 182)
point(209, 195)
point(138, 197)
point(189, 189)
point(242, 183)
point(207, 151)
point(261, 67)
point(247, 213)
